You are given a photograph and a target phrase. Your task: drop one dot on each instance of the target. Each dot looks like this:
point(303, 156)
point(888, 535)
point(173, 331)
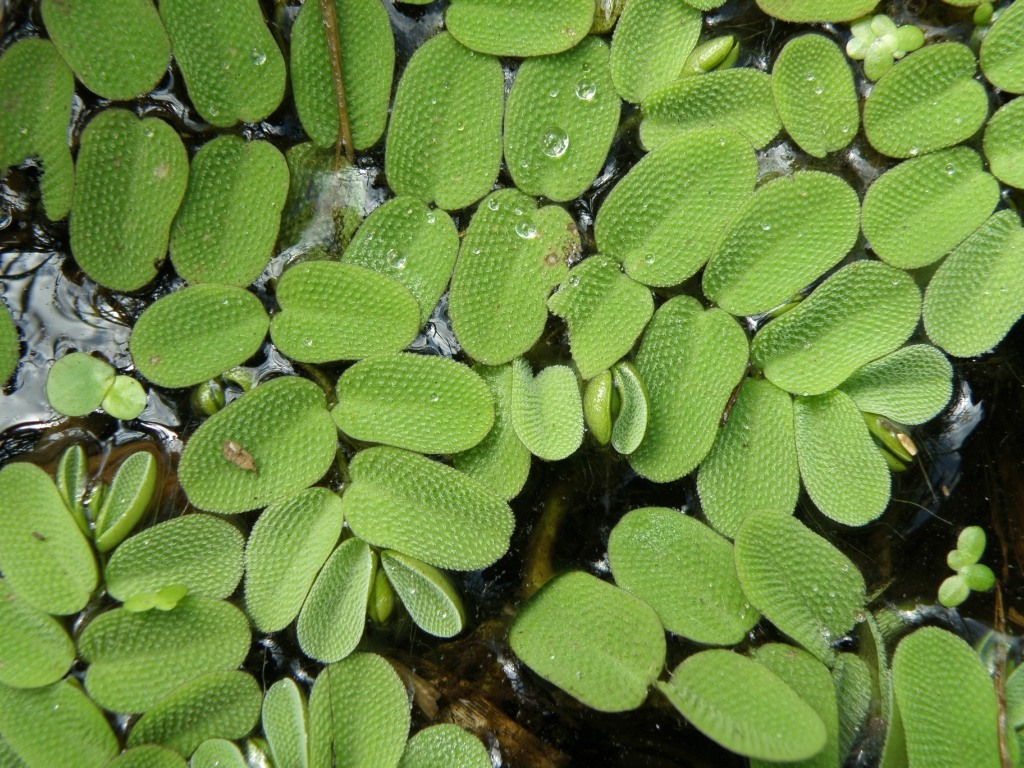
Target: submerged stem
point(330, 22)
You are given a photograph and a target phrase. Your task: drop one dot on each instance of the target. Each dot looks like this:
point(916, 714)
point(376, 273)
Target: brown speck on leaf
point(238, 456)
point(38, 536)
point(161, 171)
point(154, 360)
point(551, 259)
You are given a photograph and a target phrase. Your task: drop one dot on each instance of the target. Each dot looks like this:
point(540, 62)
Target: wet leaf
point(1002, 55)
point(519, 27)
point(444, 87)
point(77, 384)
point(976, 295)
point(217, 705)
point(228, 222)
point(842, 469)
point(136, 659)
point(285, 426)
point(230, 62)
point(43, 726)
point(131, 175)
point(428, 594)
point(513, 254)
point(332, 311)
point(744, 707)
point(217, 753)
point(118, 49)
point(412, 243)
point(367, 51)
point(690, 360)
point(500, 461)
point(663, 218)
point(199, 552)
point(928, 101)
point(605, 310)
point(788, 234)
point(127, 499)
point(424, 403)
point(10, 346)
point(684, 571)
point(862, 312)
point(126, 399)
point(286, 724)
point(404, 501)
point(800, 582)
point(333, 616)
point(547, 410)
point(148, 756)
point(445, 744)
point(359, 714)
point(561, 117)
point(36, 88)
point(289, 543)
point(596, 642)
point(946, 699)
point(730, 99)
point(752, 464)
point(1004, 145)
point(815, 95)
point(910, 386)
point(34, 648)
point(921, 209)
point(651, 42)
point(44, 556)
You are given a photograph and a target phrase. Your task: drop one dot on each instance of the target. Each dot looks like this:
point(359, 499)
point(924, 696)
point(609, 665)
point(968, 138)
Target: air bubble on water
point(586, 90)
point(258, 57)
point(554, 142)
point(395, 259)
point(526, 230)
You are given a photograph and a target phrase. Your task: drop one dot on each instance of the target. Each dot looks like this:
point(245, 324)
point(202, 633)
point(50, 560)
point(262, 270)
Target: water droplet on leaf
point(554, 142)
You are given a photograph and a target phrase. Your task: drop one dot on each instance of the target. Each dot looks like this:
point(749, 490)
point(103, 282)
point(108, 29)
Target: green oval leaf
point(513, 254)
point(729, 99)
point(217, 753)
point(136, 659)
point(284, 428)
point(952, 720)
point(744, 707)
point(500, 461)
point(44, 726)
point(560, 120)
point(684, 571)
point(412, 243)
point(77, 384)
point(596, 642)
point(332, 311)
point(428, 594)
point(36, 88)
point(630, 425)
point(404, 501)
point(816, 10)
point(131, 175)
point(126, 500)
point(1004, 143)
point(217, 705)
point(920, 210)
point(547, 410)
point(752, 465)
point(690, 361)
point(605, 310)
point(289, 543)
point(148, 756)
point(228, 222)
point(197, 333)
point(664, 217)
point(367, 52)
point(34, 648)
point(285, 722)
point(909, 386)
point(424, 403)
point(230, 62)
point(976, 295)
point(445, 744)
point(853, 685)
point(43, 554)
point(1002, 57)
point(444, 87)
point(333, 616)
point(801, 583)
point(118, 49)
point(788, 234)
point(862, 312)
point(126, 399)
point(359, 714)
point(199, 552)
point(815, 95)
point(928, 101)
point(651, 42)
point(519, 27)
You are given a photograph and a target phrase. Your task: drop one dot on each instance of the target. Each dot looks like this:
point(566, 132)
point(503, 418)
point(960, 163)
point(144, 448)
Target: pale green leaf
point(285, 722)
point(1004, 143)
point(428, 594)
point(126, 399)
point(72, 480)
point(217, 753)
point(10, 346)
point(126, 500)
point(816, 10)
point(332, 618)
point(445, 744)
point(547, 410)
point(852, 680)
point(598, 643)
point(1002, 50)
point(909, 386)
point(651, 42)
point(519, 27)
point(34, 648)
point(77, 384)
point(148, 756)
point(630, 425)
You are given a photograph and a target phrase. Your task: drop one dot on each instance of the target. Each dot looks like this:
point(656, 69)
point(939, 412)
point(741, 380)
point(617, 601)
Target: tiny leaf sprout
point(879, 43)
point(970, 576)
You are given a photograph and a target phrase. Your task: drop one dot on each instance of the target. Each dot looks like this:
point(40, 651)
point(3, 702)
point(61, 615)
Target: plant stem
point(330, 22)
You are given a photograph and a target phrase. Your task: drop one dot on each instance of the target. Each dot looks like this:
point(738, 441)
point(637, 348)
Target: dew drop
point(431, 217)
point(810, 77)
point(524, 164)
point(950, 169)
point(554, 93)
point(434, 398)
point(586, 90)
point(395, 259)
point(307, 342)
point(493, 204)
point(258, 57)
point(554, 142)
point(460, 127)
point(649, 258)
point(574, 281)
point(913, 151)
point(958, 120)
point(819, 90)
point(765, 226)
point(845, 129)
point(476, 251)
point(525, 229)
